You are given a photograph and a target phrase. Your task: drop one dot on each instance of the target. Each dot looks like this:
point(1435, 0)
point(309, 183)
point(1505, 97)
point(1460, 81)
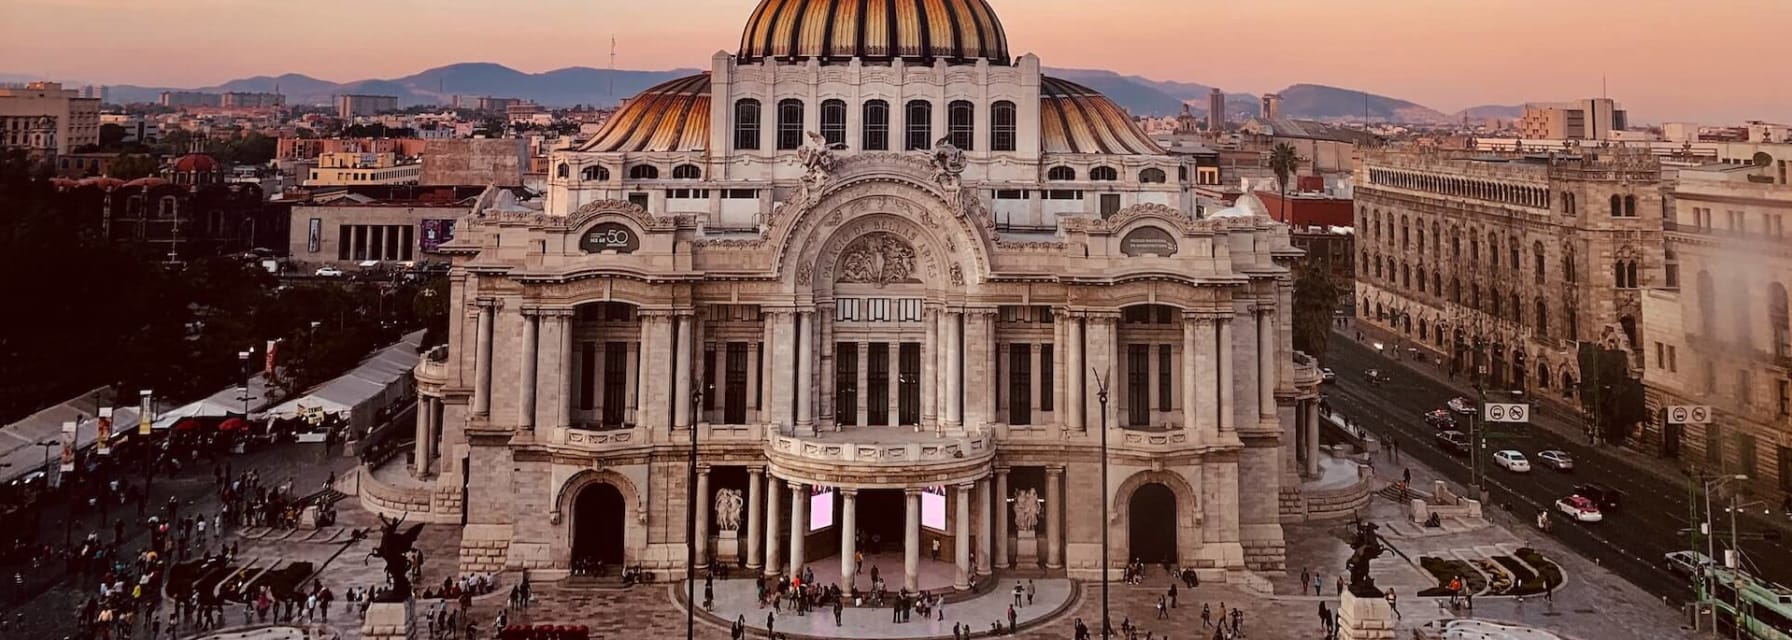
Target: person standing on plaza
point(771, 623)
point(1318, 581)
point(1172, 594)
point(1206, 616)
point(1306, 577)
point(936, 549)
point(1019, 591)
point(1011, 619)
point(1030, 591)
point(837, 609)
point(1325, 617)
point(1162, 610)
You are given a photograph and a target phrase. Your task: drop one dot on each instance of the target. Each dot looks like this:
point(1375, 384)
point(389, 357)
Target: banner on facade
point(268, 369)
point(314, 235)
point(436, 232)
point(102, 440)
point(68, 445)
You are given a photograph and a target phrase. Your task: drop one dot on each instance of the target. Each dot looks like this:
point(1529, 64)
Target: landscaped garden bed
point(1500, 581)
point(1524, 581)
point(1548, 572)
point(286, 581)
point(1446, 570)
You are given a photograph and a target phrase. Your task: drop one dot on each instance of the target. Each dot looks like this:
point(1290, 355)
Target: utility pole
point(1101, 396)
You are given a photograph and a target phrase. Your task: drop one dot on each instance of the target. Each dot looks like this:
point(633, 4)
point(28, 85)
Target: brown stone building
point(1501, 265)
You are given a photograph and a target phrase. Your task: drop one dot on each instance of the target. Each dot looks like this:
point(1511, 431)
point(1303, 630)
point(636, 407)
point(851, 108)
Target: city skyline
point(1254, 48)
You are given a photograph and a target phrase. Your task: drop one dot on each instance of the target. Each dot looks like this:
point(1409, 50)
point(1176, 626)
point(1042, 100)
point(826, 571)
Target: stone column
point(978, 377)
point(1073, 373)
point(482, 360)
point(825, 346)
point(563, 409)
point(985, 528)
point(773, 553)
point(1207, 381)
point(1312, 426)
point(911, 540)
point(1001, 517)
point(930, 356)
point(527, 361)
point(799, 525)
point(961, 538)
point(805, 374)
point(954, 369)
point(784, 370)
point(849, 514)
point(635, 362)
point(1054, 501)
point(420, 467)
point(1267, 362)
point(1228, 409)
point(755, 522)
point(702, 516)
point(681, 374)
point(754, 411)
point(1191, 401)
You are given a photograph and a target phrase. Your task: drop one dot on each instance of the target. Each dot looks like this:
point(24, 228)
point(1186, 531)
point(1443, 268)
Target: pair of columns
point(429, 428)
point(790, 356)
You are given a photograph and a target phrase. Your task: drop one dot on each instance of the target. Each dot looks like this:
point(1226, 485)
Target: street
point(1630, 541)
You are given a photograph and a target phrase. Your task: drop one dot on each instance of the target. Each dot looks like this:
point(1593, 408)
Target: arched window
point(1780, 319)
point(1152, 176)
point(875, 133)
point(1568, 269)
point(1707, 305)
point(1537, 260)
point(1437, 239)
point(1060, 173)
point(563, 171)
point(589, 174)
point(1406, 276)
point(1104, 174)
point(961, 124)
point(1437, 283)
point(1512, 250)
point(1182, 173)
point(790, 123)
point(1541, 320)
point(1002, 121)
point(833, 121)
point(1630, 206)
point(1421, 236)
point(1567, 203)
point(1671, 268)
point(1405, 233)
point(1474, 249)
point(1624, 274)
point(919, 129)
point(1493, 249)
point(1494, 299)
point(169, 207)
point(1378, 266)
point(643, 172)
point(1455, 245)
point(1513, 308)
point(1456, 290)
point(1617, 206)
point(746, 124)
point(687, 172)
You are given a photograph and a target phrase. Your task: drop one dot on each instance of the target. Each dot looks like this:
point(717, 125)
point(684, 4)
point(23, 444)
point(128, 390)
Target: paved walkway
point(736, 598)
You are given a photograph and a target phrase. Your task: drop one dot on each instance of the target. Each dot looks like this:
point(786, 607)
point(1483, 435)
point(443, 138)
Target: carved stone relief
point(877, 258)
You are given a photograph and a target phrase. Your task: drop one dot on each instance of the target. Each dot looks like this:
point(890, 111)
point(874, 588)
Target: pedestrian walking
point(1318, 581)
point(1030, 591)
point(1172, 595)
point(1325, 617)
point(1162, 610)
point(1011, 619)
point(1305, 579)
point(1394, 604)
point(1206, 616)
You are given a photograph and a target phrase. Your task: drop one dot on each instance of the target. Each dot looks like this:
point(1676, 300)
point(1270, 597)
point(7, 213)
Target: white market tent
point(225, 403)
point(19, 453)
point(376, 383)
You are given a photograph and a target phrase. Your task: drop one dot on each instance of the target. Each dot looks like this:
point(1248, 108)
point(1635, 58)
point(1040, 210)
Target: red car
point(1440, 419)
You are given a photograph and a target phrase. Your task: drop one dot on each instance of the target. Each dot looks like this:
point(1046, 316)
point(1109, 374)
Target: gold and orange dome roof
point(957, 31)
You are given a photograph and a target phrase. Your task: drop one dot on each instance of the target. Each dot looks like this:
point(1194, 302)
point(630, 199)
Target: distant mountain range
point(602, 87)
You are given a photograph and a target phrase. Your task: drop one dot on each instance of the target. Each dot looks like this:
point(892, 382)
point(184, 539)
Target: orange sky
point(1711, 61)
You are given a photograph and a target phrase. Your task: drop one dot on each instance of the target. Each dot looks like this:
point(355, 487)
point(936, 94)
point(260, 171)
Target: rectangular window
point(1020, 384)
point(1785, 467)
point(919, 119)
point(615, 383)
point(1165, 392)
point(1110, 204)
point(1714, 446)
point(740, 194)
point(734, 398)
point(709, 377)
point(1673, 359)
point(638, 199)
point(1138, 385)
point(846, 383)
point(1064, 194)
point(1045, 377)
point(1784, 403)
point(1661, 356)
point(876, 134)
point(1745, 454)
point(790, 124)
point(587, 371)
point(1743, 383)
point(877, 377)
point(1010, 194)
point(343, 233)
point(908, 383)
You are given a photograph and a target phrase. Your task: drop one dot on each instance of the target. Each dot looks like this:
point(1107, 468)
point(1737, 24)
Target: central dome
point(957, 31)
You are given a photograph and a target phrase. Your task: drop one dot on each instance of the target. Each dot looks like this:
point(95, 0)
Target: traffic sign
point(1689, 414)
point(1510, 412)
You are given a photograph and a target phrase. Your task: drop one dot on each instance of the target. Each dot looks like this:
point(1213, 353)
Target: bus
point(1762, 609)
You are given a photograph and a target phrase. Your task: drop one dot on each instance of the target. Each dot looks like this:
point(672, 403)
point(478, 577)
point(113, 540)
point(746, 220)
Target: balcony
point(432, 368)
point(882, 457)
point(1306, 371)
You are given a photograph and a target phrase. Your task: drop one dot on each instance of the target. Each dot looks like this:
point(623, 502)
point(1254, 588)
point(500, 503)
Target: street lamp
point(243, 356)
point(1711, 541)
point(1101, 396)
point(690, 522)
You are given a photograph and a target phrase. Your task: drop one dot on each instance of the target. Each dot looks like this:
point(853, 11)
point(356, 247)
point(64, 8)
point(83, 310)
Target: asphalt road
point(1630, 542)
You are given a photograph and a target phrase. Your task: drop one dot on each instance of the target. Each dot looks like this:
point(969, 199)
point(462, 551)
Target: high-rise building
point(1589, 119)
point(72, 121)
point(249, 100)
point(1499, 266)
point(1718, 327)
point(351, 105)
point(191, 99)
point(1272, 106)
point(1216, 111)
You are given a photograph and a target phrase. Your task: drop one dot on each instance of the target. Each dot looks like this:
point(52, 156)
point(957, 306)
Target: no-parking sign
point(1506, 412)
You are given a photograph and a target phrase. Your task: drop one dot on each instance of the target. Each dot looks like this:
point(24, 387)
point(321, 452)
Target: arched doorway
point(599, 517)
point(1151, 518)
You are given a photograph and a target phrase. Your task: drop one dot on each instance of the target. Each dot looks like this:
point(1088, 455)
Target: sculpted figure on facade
point(817, 158)
point(728, 506)
point(1026, 510)
point(948, 164)
point(877, 258)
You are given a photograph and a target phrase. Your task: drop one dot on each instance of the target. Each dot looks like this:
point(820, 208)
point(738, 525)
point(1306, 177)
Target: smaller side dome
point(1076, 119)
point(673, 116)
point(196, 162)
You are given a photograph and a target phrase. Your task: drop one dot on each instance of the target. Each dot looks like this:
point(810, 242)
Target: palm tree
point(1284, 162)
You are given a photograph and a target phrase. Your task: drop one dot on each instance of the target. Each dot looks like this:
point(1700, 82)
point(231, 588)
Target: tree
point(1315, 302)
point(131, 166)
point(1284, 162)
point(112, 135)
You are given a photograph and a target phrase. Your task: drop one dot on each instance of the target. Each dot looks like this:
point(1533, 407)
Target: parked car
point(1375, 377)
point(1462, 405)
point(328, 272)
point(1440, 419)
point(1607, 498)
point(1686, 563)
point(1453, 441)
point(1556, 459)
point(1326, 375)
point(1511, 460)
point(1580, 508)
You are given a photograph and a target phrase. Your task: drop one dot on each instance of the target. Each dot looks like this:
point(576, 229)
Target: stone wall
point(433, 504)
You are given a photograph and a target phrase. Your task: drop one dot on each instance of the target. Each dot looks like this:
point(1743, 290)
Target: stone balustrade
point(422, 504)
point(842, 450)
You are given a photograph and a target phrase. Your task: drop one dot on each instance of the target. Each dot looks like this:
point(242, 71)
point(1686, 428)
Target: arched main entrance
point(1151, 535)
point(599, 516)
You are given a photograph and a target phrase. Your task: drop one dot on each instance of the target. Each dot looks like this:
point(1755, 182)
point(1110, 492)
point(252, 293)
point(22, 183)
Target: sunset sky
point(1713, 61)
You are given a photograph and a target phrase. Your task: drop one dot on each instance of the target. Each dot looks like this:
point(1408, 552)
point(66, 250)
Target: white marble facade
point(900, 327)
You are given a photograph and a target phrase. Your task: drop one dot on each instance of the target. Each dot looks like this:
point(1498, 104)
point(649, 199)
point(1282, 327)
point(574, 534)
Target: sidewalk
point(1672, 471)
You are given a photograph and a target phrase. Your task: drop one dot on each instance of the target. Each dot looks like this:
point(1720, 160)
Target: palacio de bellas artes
point(896, 282)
